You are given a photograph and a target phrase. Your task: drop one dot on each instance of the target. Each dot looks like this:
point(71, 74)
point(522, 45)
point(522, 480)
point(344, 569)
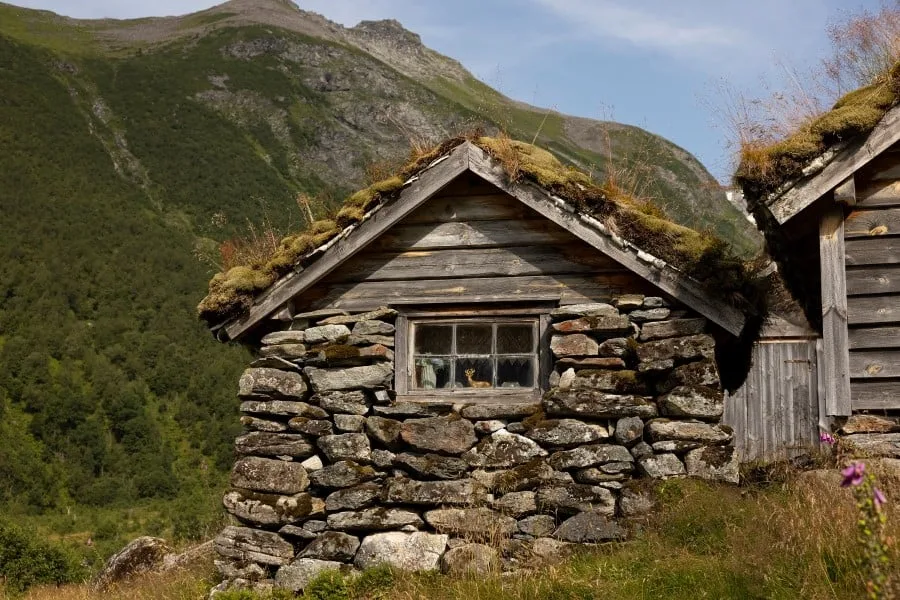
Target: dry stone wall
point(334, 471)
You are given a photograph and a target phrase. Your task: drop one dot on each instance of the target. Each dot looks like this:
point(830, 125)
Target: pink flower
point(879, 498)
point(826, 438)
point(853, 475)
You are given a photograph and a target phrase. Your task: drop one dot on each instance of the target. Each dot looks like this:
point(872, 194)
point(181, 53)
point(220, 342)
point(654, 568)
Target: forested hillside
point(129, 150)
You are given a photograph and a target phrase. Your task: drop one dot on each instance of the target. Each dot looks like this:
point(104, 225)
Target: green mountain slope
point(127, 148)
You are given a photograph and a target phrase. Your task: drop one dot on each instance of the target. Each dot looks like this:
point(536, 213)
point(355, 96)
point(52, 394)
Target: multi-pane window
point(489, 354)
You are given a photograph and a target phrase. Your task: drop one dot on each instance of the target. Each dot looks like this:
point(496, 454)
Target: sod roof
point(699, 255)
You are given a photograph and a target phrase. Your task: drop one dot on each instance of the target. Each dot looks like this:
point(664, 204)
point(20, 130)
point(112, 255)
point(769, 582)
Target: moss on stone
point(339, 351)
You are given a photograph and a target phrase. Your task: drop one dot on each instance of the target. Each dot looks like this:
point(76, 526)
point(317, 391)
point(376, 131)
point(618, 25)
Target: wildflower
point(879, 498)
point(853, 475)
point(826, 438)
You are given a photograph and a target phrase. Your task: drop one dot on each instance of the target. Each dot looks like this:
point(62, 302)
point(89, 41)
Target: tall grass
point(786, 540)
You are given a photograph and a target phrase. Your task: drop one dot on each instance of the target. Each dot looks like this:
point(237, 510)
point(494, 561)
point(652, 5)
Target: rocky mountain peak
point(388, 30)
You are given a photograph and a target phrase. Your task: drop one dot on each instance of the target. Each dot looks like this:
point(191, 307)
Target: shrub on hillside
point(26, 561)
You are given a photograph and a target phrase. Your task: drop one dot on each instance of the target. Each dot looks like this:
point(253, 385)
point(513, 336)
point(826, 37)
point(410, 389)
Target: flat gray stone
point(373, 519)
point(661, 466)
point(576, 344)
point(297, 575)
point(470, 559)
point(311, 427)
point(416, 551)
point(672, 328)
point(693, 347)
point(400, 490)
point(589, 456)
point(383, 313)
point(629, 430)
point(584, 310)
point(372, 327)
point(349, 423)
point(353, 498)
point(369, 376)
point(326, 334)
point(342, 474)
point(268, 509)
point(598, 404)
point(537, 525)
point(267, 475)
point(503, 449)
point(332, 545)
point(693, 401)
point(589, 527)
point(445, 435)
point(257, 424)
point(519, 410)
point(649, 314)
point(349, 403)
point(574, 498)
point(875, 444)
point(263, 443)
point(475, 522)
point(688, 431)
point(602, 325)
point(431, 465)
point(516, 504)
point(246, 544)
point(271, 383)
point(346, 446)
point(282, 408)
point(383, 430)
point(283, 337)
point(566, 432)
point(714, 463)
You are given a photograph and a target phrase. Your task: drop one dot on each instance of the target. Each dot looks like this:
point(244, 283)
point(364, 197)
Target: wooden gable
point(462, 232)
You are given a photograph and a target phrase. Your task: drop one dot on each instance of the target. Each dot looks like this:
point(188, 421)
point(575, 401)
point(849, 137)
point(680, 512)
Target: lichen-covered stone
point(629, 430)
point(349, 423)
point(373, 519)
point(875, 444)
point(603, 325)
point(476, 522)
point(297, 575)
point(671, 328)
point(503, 449)
point(352, 378)
point(433, 466)
point(597, 404)
point(593, 309)
point(313, 463)
point(589, 456)
point(615, 348)
point(693, 401)
point(285, 351)
point(382, 458)
point(618, 381)
point(470, 559)
point(628, 302)
point(271, 383)
point(326, 334)
point(537, 525)
point(510, 410)
point(576, 344)
point(267, 475)
point(383, 430)
point(649, 314)
point(641, 450)
point(655, 367)
point(268, 509)
point(715, 463)
point(253, 545)
point(410, 409)
point(370, 340)
point(350, 403)
point(382, 313)
point(599, 362)
point(446, 435)
point(417, 551)
point(263, 443)
point(400, 490)
point(342, 474)
point(603, 474)
point(282, 408)
point(589, 527)
point(372, 328)
point(353, 498)
point(140, 555)
point(688, 431)
point(283, 337)
point(661, 466)
point(516, 504)
point(677, 446)
point(274, 362)
point(524, 477)
point(635, 502)
point(654, 302)
point(312, 427)
point(575, 497)
point(345, 446)
point(701, 372)
point(332, 545)
point(257, 424)
point(566, 432)
point(861, 423)
point(681, 348)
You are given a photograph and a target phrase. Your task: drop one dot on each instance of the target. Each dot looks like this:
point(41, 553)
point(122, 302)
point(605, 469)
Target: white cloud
point(647, 27)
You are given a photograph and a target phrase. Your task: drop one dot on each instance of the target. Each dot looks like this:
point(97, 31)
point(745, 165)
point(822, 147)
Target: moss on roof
point(699, 254)
point(763, 169)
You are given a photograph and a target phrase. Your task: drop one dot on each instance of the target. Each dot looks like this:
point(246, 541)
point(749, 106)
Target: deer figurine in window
point(474, 382)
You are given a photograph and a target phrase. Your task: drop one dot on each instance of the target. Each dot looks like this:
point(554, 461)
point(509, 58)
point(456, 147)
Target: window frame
point(404, 354)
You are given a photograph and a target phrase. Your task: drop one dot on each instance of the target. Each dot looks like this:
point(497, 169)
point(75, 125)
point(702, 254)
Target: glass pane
point(515, 372)
point(431, 373)
point(515, 338)
point(473, 339)
point(433, 339)
point(474, 372)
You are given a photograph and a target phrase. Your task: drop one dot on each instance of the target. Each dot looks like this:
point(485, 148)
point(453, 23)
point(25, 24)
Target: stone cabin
point(473, 352)
point(830, 209)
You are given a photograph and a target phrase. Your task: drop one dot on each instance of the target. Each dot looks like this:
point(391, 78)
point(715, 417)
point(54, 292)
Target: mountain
point(132, 149)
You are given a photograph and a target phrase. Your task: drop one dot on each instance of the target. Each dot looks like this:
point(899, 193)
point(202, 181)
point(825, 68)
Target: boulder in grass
point(139, 556)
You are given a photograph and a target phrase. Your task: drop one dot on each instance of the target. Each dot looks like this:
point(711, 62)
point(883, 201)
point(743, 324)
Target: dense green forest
point(120, 168)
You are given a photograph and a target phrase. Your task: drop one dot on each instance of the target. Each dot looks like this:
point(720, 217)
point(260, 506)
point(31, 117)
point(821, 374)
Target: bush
point(27, 561)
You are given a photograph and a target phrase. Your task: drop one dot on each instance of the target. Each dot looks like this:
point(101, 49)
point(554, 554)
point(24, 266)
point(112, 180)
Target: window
point(461, 356)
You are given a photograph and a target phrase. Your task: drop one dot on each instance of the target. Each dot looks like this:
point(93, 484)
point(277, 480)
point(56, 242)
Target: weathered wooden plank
point(428, 183)
point(471, 234)
point(874, 337)
point(879, 194)
point(868, 223)
point(849, 160)
point(873, 251)
point(874, 364)
point(875, 394)
point(401, 354)
point(480, 262)
point(568, 289)
point(667, 279)
point(865, 310)
point(883, 279)
point(845, 192)
point(498, 206)
point(834, 311)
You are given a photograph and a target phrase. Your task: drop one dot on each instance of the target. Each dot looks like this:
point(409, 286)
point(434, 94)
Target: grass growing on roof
point(699, 254)
point(765, 167)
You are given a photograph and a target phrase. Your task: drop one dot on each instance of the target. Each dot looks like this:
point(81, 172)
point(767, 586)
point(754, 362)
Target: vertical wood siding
point(775, 414)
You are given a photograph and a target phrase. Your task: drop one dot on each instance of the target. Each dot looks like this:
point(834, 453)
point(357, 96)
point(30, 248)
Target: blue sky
point(652, 63)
